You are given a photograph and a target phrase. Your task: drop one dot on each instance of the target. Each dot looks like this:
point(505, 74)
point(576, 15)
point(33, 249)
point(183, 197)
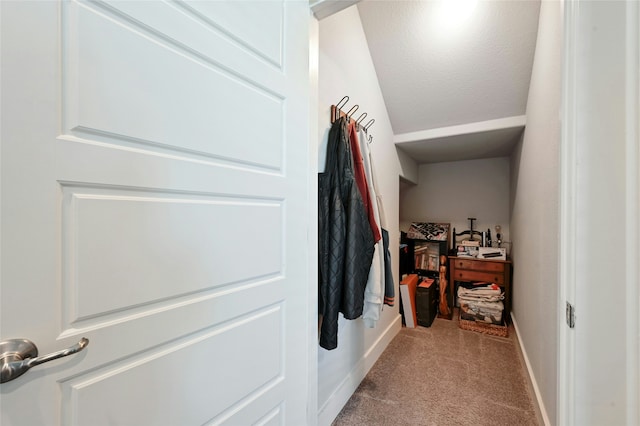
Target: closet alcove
point(482, 168)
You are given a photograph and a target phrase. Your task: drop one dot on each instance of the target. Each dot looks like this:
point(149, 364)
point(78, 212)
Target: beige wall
point(453, 191)
point(346, 68)
point(535, 210)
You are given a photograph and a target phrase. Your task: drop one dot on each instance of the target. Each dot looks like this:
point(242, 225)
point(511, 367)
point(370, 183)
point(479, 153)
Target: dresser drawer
point(492, 277)
point(477, 265)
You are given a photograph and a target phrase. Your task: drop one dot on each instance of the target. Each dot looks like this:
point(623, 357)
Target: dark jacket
point(345, 240)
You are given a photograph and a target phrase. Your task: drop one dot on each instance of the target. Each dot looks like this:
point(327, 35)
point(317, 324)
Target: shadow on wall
point(516, 156)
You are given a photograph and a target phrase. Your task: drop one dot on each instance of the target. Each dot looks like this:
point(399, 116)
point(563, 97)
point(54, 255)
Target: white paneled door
point(154, 200)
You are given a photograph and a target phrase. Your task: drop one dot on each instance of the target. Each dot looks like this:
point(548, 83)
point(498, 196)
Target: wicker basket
point(486, 328)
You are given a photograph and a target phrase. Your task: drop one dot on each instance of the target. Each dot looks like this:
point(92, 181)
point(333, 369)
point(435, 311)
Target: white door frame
point(632, 252)
point(574, 257)
point(312, 237)
point(567, 235)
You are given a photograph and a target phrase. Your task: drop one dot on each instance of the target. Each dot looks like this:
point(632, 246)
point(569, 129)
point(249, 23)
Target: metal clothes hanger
point(366, 129)
point(359, 120)
point(352, 111)
point(339, 106)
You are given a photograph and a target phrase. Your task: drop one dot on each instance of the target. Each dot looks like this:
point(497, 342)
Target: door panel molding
point(175, 237)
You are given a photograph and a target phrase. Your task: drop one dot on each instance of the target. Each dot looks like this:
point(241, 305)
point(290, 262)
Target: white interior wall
point(534, 215)
point(453, 191)
point(408, 167)
point(346, 68)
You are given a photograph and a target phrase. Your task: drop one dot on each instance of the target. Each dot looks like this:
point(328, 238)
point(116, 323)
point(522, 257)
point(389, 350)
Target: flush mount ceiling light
point(452, 14)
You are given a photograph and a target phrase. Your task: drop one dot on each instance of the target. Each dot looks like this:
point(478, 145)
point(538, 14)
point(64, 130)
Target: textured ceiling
point(434, 75)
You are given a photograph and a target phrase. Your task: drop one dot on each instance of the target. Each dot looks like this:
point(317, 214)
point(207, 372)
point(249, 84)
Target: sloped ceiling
point(442, 78)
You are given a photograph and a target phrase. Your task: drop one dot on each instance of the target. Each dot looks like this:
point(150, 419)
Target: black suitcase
point(427, 304)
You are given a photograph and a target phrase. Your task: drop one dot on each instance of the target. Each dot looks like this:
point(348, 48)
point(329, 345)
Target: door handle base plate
point(17, 349)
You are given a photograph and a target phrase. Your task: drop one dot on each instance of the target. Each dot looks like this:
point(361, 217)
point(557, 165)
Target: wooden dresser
point(491, 271)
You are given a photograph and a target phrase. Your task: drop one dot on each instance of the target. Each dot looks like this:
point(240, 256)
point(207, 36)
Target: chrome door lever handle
point(19, 355)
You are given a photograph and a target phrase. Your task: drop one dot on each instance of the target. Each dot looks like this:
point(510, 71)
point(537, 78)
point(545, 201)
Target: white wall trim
point(532, 377)
point(328, 412)
point(324, 8)
point(462, 129)
point(312, 232)
point(568, 208)
point(632, 252)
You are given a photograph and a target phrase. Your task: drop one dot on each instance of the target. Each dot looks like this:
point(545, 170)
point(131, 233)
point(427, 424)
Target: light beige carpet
point(443, 375)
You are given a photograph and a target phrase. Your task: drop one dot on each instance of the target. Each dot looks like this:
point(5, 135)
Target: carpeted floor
point(443, 375)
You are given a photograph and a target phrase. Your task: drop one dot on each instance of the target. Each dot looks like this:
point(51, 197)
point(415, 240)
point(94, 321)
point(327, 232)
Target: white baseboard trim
point(330, 410)
point(532, 377)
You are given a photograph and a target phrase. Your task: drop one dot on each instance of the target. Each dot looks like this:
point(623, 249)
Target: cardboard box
point(492, 253)
point(467, 251)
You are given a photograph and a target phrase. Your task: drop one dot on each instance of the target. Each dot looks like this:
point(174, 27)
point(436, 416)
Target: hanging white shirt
point(374, 290)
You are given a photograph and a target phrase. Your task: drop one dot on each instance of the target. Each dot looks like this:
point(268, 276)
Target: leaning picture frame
point(431, 242)
point(430, 231)
point(431, 239)
point(427, 255)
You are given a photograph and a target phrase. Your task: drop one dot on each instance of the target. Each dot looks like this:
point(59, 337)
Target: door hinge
point(571, 315)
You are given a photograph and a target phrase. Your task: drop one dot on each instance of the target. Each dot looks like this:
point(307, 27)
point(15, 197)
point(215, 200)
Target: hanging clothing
point(389, 285)
point(331, 230)
point(361, 180)
point(374, 291)
point(345, 240)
